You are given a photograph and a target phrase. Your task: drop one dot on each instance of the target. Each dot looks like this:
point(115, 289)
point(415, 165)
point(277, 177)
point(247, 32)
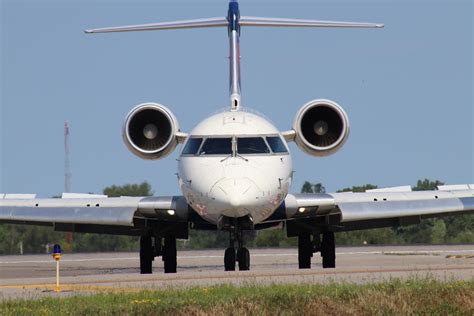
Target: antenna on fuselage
point(233, 22)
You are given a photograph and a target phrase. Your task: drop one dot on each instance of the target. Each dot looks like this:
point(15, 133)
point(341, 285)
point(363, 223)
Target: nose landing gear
point(241, 254)
point(306, 248)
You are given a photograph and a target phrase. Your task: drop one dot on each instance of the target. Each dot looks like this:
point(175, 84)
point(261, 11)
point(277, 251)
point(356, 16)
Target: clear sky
point(407, 88)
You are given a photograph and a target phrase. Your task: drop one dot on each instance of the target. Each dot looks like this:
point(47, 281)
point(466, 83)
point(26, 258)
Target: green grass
point(415, 296)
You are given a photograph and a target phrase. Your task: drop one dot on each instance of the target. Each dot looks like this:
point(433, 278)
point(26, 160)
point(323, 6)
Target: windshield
point(276, 144)
point(252, 145)
point(192, 146)
point(217, 146)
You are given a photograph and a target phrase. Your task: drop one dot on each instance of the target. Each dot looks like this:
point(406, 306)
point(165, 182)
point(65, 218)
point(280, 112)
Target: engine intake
point(150, 131)
point(321, 126)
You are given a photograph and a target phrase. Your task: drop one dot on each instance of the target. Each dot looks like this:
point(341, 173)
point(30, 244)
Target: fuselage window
point(217, 146)
point(276, 144)
point(252, 145)
point(192, 146)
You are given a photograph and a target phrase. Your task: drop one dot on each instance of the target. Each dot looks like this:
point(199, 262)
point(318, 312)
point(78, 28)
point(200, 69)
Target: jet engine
point(321, 127)
point(150, 131)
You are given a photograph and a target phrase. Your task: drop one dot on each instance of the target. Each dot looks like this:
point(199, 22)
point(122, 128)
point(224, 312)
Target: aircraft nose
point(234, 201)
point(235, 196)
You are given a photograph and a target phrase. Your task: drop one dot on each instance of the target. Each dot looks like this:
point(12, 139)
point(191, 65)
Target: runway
point(34, 275)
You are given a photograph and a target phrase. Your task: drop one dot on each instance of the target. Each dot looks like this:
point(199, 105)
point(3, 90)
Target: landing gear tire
point(170, 254)
point(146, 255)
point(328, 250)
point(229, 259)
point(243, 255)
point(305, 251)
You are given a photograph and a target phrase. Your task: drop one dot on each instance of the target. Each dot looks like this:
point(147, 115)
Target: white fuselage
point(235, 164)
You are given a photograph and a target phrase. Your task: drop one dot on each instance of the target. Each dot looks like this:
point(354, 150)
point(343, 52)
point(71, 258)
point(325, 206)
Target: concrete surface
point(33, 276)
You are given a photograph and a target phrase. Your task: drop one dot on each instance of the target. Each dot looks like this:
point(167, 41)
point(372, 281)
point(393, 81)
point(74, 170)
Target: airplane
point(235, 172)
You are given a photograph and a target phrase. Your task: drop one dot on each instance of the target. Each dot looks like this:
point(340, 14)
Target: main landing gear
point(306, 248)
point(240, 255)
point(151, 247)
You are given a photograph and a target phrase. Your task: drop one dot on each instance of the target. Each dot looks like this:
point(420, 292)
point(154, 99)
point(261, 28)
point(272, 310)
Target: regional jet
point(235, 173)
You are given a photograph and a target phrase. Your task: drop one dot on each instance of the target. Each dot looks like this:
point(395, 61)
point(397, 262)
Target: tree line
point(16, 239)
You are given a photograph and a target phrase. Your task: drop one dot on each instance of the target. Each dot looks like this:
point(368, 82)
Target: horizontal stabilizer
point(258, 21)
point(187, 24)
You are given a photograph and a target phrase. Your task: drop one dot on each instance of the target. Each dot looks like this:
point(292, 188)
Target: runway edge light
point(57, 252)
point(57, 257)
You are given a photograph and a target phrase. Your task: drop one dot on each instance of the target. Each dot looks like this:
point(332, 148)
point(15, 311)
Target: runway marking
point(460, 256)
point(253, 255)
point(222, 276)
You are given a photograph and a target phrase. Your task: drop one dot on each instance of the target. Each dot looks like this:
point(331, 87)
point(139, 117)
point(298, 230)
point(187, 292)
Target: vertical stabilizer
point(233, 17)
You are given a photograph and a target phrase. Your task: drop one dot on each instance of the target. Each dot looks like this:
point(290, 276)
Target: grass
point(415, 296)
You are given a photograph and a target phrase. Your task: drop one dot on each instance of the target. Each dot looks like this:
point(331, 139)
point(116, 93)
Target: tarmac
point(33, 276)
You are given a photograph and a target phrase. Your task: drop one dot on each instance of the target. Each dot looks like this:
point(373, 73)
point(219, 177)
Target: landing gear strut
point(242, 255)
point(306, 248)
point(150, 250)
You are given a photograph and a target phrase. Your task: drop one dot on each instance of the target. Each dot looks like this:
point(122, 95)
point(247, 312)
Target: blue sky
point(407, 88)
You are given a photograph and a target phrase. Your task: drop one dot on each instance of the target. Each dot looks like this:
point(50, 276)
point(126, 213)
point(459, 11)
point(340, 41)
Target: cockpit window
point(217, 146)
point(276, 144)
point(192, 146)
point(252, 145)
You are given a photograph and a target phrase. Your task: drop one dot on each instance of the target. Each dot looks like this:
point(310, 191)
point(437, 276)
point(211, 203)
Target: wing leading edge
point(380, 206)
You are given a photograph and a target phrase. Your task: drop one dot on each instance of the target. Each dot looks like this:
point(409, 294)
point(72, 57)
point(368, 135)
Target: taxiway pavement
point(33, 276)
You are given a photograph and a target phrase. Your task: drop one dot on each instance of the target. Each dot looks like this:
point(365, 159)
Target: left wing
point(377, 208)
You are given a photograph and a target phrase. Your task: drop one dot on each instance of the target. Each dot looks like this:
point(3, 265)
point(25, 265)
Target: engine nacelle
point(150, 131)
point(321, 127)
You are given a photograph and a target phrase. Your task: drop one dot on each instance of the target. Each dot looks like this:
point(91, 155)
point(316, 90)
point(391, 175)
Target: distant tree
point(359, 188)
point(142, 189)
point(426, 184)
point(459, 229)
point(377, 236)
point(309, 187)
point(274, 238)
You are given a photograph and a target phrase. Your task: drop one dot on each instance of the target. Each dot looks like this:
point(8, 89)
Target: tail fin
point(233, 22)
point(243, 21)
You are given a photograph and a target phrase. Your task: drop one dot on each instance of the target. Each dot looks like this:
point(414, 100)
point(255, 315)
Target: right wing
point(93, 213)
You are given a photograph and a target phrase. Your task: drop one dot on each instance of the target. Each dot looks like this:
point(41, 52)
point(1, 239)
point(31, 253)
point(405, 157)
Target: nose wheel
point(243, 256)
point(233, 255)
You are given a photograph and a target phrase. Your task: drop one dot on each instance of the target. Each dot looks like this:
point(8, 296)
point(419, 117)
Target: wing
point(377, 208)
point(94, 213)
